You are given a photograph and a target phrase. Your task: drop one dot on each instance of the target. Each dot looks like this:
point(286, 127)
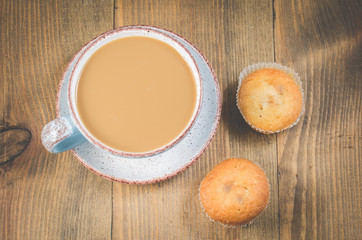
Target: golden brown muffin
point(270, 100)
point(235, 192)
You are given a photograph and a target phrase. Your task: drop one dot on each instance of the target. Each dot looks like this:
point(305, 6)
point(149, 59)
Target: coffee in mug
point(132, 92)
point(136, 94)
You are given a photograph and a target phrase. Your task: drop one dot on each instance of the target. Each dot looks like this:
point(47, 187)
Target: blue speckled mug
point(65, 133)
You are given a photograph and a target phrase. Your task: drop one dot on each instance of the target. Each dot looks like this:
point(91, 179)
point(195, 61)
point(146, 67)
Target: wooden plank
point(320, 158)
point(45, 196)
point(232, 35)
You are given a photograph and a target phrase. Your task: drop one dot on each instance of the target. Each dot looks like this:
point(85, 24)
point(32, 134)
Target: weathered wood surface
point(319, 161)
point(314, 168)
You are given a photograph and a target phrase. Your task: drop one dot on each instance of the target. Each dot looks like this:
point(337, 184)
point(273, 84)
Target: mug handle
point(61, 135)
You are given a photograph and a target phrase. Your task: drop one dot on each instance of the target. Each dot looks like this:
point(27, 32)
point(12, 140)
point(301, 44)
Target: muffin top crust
point(269, 99)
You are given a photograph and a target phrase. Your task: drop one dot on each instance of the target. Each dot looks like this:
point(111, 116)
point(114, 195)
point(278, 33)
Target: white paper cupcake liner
point(241, 225)
point(257, 66)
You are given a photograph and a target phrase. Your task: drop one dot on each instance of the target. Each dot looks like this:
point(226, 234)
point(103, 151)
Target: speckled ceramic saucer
point(145, 170)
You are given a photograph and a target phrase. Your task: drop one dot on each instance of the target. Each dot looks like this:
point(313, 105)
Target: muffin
point(270, 97)
point(235, 192)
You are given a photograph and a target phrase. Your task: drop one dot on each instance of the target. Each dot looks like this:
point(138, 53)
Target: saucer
point(155, 168)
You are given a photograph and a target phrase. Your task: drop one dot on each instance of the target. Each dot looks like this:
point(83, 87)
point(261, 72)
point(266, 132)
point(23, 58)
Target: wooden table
point(314, 168)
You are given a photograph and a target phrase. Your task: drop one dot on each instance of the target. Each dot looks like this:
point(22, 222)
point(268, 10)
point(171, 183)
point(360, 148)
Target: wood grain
point(320, 159)
point(232, 35)
point(45, 196)
point(13, 141)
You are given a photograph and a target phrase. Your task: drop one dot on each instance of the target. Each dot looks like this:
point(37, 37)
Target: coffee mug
point(168, 62)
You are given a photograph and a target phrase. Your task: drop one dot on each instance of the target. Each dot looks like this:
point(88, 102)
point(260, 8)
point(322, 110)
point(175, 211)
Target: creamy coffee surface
point(136, 94)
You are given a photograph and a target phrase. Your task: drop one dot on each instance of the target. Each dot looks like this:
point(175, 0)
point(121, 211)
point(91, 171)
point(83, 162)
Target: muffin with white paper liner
point(235, 192)
point(270, 97)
